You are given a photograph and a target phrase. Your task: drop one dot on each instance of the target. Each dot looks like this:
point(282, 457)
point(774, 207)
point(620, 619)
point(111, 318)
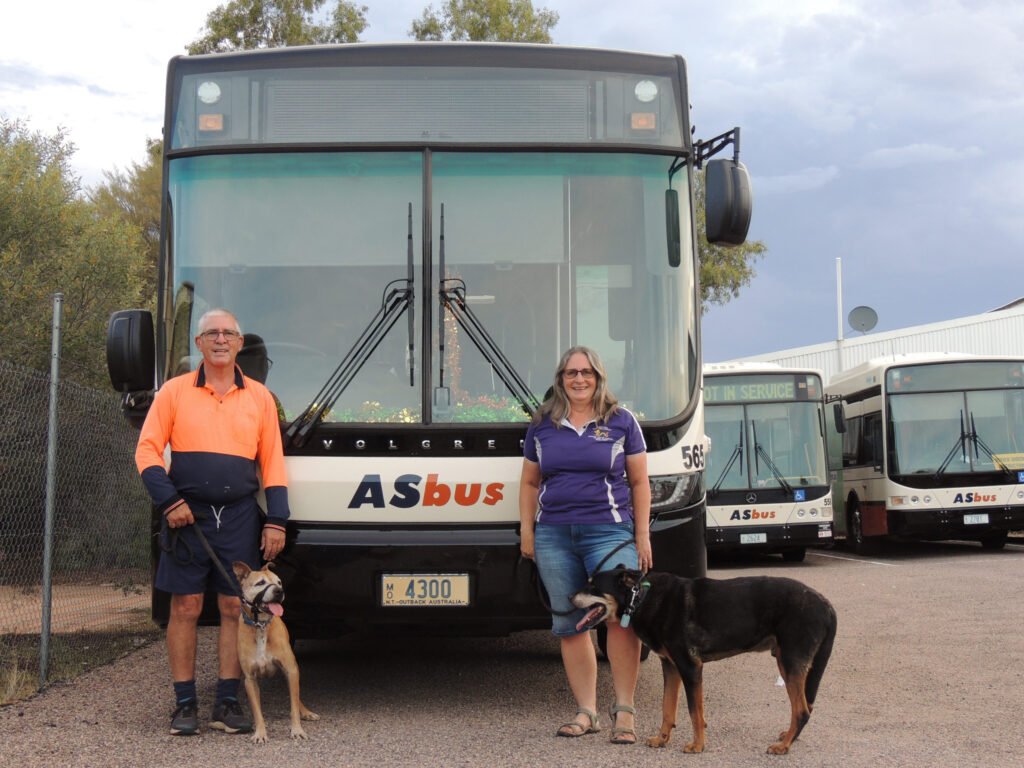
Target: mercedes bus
point(933, 448)
point(768, 481)
point(416, 232)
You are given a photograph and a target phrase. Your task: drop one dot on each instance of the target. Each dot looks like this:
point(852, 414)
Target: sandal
point(619, 735)
point(575, 729)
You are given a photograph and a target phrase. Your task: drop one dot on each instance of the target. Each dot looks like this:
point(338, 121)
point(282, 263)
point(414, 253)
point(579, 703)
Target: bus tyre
point(602, 644)
point(794, 555)
point(861, 544)
point(994, 541)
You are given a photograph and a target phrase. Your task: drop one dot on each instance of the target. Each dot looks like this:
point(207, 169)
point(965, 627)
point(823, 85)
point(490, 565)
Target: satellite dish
point(863, 319)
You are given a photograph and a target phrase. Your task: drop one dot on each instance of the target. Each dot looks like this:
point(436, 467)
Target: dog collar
point(639, 592)
point(254, 621)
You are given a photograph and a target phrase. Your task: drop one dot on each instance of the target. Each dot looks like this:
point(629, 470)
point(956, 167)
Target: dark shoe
point(185, 721)
point(228, 717)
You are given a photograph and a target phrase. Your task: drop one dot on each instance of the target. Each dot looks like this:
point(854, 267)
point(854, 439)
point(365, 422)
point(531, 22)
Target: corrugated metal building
point(999, 332)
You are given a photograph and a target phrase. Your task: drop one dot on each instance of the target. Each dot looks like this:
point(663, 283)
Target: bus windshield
point(957, 432)
point(549, 249)
point(778, 445)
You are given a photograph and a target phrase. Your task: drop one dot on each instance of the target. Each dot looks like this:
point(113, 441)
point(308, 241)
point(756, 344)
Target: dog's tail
point(821, 657)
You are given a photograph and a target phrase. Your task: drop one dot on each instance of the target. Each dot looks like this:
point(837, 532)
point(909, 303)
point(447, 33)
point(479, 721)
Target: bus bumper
point(944, 524)
point(770, 538)
point(333, 576)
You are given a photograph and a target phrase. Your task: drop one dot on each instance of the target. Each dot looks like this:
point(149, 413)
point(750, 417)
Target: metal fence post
point(51, 492)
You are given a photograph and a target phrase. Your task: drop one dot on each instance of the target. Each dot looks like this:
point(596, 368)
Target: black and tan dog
point(264, 647)
point(691, 621)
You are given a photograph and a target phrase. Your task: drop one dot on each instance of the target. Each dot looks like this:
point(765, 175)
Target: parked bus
point(417, 232)
point(933, 448)
point(767, 472)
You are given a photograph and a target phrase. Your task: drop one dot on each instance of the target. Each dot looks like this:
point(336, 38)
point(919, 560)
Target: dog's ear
point(241, 569)
point(630, 578)
point(271, 566)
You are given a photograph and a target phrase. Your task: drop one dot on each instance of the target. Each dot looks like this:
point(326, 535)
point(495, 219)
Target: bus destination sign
point(761, 388)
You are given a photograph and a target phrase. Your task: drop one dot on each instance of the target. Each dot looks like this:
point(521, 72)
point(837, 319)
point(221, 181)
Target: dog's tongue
point(592, 614)
point(276, 608)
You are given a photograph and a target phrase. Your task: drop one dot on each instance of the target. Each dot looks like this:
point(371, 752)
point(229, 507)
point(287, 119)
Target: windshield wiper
point(394, 302)
point(961, 444)
point(737, 453)
point(453, 299)
point(979, 442)
point(760, 451)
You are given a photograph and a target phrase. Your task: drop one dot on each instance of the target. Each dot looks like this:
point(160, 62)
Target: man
point(224, 435)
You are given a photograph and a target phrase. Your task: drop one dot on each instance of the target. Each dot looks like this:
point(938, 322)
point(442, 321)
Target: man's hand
point(180, 516)
point(272, 543)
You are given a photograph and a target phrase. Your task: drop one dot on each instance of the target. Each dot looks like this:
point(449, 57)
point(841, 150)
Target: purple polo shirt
point(583, 475)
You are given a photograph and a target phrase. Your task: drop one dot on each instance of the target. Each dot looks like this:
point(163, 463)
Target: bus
point(416, 232)
point(767, 471)
point(933, 448)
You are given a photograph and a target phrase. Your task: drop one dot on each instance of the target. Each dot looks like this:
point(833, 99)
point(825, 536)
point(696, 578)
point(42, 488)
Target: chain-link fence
point(99, 551)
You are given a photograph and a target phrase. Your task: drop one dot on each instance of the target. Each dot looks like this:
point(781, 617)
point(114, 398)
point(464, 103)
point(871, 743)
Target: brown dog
point(263, 646)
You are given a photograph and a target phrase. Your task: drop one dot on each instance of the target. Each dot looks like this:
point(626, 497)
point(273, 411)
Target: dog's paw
point(658, 741)
point(307, 715)
point(693, 748)
point(259, 736)
point(778, 749)
point(298, 733)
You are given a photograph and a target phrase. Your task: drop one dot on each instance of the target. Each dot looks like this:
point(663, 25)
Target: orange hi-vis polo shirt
point(217, 445)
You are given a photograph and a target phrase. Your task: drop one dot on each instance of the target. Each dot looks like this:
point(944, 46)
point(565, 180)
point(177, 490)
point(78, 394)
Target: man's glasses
point(572, 373)
point(212, 335)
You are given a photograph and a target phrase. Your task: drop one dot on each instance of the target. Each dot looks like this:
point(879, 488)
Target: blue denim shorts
point(187, 569)
point(566, 555)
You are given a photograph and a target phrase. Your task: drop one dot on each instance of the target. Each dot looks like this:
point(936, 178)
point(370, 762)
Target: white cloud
point(802, 181)
point(917, 154)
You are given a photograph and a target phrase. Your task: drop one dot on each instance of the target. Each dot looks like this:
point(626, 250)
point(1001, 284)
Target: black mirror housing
point(727, 203)
point(131, 356)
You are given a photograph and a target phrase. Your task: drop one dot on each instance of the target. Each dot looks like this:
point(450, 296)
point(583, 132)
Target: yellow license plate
point(424, 589)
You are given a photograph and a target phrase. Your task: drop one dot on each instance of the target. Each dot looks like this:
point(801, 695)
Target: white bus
point(933, 448)
point(767, 471)
point(417, 232)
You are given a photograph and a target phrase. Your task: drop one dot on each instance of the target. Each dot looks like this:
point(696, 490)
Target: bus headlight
point(670, 490)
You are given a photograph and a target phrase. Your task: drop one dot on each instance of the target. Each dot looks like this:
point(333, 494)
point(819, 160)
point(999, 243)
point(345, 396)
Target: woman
point(584, 492)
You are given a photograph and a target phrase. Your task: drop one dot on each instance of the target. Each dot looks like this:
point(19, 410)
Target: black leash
point(253, 605)
point(605, 559)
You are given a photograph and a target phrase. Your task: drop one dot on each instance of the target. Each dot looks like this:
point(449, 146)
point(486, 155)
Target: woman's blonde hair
point(556, 406)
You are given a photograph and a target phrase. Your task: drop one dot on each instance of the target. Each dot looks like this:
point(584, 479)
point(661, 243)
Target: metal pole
point(839, 314)
point(51, 485)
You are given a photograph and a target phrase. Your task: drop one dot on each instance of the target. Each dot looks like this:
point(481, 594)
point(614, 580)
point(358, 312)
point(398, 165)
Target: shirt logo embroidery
point(601, 434)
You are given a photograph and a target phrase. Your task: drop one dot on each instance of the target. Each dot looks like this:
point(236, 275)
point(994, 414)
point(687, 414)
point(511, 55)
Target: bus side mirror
point(131, 361)
point(727, 202)
point(839, 416)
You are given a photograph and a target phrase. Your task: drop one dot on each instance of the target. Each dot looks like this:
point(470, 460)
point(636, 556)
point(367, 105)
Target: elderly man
point(224, 435)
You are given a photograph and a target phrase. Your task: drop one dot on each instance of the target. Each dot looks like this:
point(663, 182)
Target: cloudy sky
point(885, 133)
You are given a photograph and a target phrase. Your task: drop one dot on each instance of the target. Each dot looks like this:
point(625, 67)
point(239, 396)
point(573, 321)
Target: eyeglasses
point(572, 373)
point(212, 335)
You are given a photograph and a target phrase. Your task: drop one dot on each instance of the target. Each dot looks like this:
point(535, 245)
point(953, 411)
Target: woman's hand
point(643, 551)
point(526, 543)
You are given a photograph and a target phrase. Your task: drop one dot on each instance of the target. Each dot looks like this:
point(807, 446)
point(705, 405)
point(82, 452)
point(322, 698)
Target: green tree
point(242, 25)
point(510, 21)
point(134, 195)
point(724, 270)
point(51, 239)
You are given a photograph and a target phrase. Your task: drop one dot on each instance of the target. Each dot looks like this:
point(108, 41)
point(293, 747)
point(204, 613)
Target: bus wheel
point(602, 643)
point(995, 540)
point(794, 555)
point(855, 532)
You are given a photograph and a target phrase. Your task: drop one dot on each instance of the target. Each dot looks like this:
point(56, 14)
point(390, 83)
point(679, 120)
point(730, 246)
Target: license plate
point(975, 519)
point(424, 589)
point(753, 538)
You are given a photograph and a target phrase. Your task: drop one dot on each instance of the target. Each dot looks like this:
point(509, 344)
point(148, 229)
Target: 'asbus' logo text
point(434, 494)
point(752, 514)
point(974, 497)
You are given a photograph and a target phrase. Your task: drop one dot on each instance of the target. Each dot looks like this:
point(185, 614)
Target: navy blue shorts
point(566, 556)
point(233, 532)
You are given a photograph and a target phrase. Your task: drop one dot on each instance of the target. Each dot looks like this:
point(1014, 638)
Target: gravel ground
point(928, 669)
